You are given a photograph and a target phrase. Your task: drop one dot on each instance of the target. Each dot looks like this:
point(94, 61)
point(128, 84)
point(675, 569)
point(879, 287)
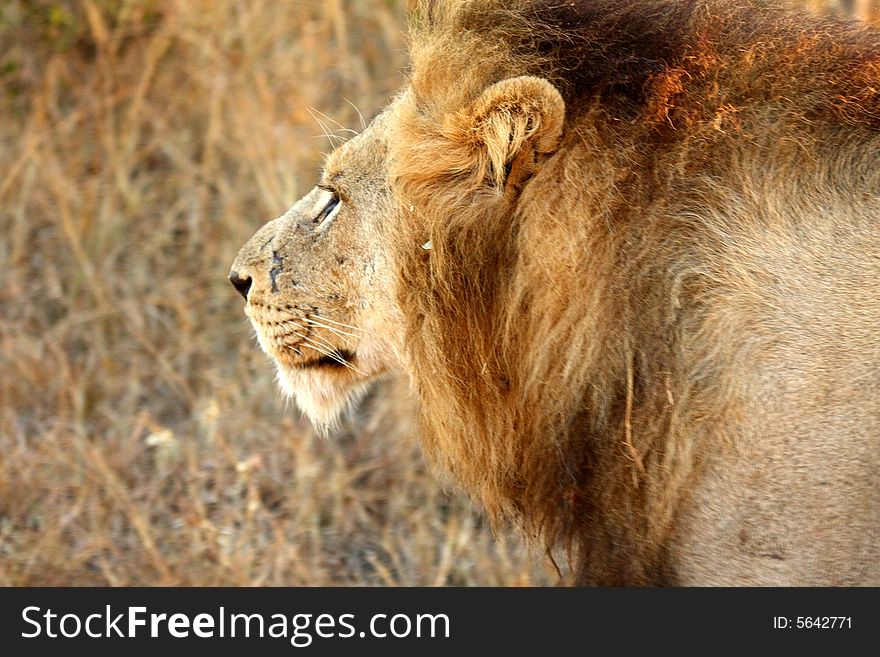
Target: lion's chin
point(323, 396)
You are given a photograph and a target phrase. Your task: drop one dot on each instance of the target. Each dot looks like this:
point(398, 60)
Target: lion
point(627, 254)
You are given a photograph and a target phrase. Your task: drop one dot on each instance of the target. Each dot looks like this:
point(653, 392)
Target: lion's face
point(317, 283)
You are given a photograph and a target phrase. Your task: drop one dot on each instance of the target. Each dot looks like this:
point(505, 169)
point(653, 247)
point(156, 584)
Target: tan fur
point(628, 255)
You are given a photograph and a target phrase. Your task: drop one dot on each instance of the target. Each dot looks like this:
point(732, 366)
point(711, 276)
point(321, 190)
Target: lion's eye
point(329, 210)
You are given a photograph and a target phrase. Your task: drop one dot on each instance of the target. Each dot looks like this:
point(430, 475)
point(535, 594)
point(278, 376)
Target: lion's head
point(318, 283)
point(595, 236)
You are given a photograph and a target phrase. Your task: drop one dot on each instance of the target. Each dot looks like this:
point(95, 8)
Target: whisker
point(335, 355)
point(318, 341)
point(348, 326)
point(342, 335)
point(361, 116)
point(342, 128)
point(328, 134)
point(322, 351)
point(335, 330)
point(317, 347)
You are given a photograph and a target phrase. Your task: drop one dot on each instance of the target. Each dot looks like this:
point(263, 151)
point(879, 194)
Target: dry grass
point(142, 439)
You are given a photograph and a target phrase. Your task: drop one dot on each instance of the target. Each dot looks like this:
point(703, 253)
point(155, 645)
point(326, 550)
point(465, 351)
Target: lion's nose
point(240, 283)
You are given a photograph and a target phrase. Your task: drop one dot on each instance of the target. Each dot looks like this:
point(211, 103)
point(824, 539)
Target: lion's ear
point(515, 124)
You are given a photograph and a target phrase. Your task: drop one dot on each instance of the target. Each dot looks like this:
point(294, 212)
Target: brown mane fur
point(579, 346)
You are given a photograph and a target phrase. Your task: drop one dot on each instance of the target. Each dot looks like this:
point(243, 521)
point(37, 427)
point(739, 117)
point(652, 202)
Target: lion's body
point(628, 253)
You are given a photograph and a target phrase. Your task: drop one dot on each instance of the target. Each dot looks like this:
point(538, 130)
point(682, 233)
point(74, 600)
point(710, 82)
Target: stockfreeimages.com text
point(300, 629)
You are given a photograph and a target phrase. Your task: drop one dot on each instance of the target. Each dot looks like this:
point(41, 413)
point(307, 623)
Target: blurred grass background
point(142, 438)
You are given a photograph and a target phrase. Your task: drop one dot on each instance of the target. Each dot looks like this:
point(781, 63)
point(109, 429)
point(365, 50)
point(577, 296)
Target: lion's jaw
point(324, 365)
point(322, 396)
point(324, 392)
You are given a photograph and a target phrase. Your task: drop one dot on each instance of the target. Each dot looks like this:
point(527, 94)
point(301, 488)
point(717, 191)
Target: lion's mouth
point(338, 359)
point(301, 341)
